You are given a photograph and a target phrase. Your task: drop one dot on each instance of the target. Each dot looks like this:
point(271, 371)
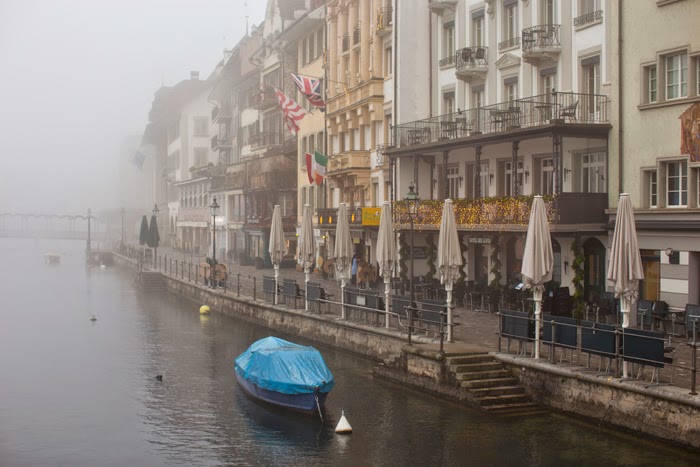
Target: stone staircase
point(492, 385)
point(151, 281)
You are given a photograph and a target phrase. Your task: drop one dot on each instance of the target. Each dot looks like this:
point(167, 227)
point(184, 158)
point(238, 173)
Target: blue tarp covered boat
point(285, 374)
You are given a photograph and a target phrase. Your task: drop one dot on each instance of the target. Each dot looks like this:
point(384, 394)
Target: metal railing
point(508, 43)
point(471, 57)
point(447, 61)
point(542, 37)
point(588, 18)
point(563, 107)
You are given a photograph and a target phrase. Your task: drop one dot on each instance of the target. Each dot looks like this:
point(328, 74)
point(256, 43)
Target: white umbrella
point(278, 247)
point(306, 250)
point(343, 251)
point(449, 257)
point(538, 260)
point(386, 252)
point(625, 267)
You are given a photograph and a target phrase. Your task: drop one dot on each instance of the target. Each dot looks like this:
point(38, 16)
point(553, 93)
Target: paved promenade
point(476, 328)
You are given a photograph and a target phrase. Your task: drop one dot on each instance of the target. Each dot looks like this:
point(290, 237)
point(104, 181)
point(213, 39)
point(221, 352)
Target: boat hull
point(300, 402)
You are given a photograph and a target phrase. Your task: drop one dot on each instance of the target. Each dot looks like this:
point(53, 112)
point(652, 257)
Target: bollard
point(694, 361)
point(239, 283)
point(553, 341)
point(500, 330)
point(254, 286)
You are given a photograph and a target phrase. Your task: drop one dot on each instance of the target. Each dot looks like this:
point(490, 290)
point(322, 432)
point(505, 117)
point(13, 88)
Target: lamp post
point(155, 248)
point(123, 212)
point(411, 200)
point(214, 206)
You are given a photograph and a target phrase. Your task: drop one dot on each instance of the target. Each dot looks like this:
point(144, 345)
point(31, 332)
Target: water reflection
point(82, 394)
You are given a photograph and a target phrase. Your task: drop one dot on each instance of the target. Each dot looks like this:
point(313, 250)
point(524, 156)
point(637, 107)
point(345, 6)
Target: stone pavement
point(475, 328)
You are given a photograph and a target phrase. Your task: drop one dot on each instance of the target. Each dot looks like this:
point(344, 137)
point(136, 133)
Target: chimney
point(194, 75)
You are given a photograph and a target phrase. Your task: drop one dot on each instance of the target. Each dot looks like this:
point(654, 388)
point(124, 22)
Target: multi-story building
point(519, 102)
point(657, 160)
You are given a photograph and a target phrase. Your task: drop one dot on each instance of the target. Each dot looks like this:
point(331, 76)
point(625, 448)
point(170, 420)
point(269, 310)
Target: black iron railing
point(588, 18)
point(544, 36)
point(448, 61)
point(471, 57)
point(508, 43)
point(562, 107)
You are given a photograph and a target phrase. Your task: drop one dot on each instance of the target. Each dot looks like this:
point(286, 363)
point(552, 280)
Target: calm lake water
point(79, 393)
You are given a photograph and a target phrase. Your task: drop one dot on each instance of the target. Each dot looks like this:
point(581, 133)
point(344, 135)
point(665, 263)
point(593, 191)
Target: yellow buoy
point(204, 310)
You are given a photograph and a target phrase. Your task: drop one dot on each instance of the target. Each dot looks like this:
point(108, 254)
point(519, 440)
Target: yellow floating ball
point(204, 310)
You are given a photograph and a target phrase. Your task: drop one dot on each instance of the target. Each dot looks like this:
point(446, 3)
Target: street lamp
point(123, 212)
point(155, 248)
point(214, 206)
point(412, 201)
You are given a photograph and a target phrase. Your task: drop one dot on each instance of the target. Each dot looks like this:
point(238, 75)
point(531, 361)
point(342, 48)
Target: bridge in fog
point(59, 226)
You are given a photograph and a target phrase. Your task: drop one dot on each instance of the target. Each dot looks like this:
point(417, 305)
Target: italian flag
point(320, 164)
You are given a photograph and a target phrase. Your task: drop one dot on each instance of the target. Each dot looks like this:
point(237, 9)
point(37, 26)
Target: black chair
point(518, 326)
point(644, 315)
point(291, 292)
point(659, 313)
point(431, 314)
point(316, 293)
point(569, 112)
point(269, 287)
point(692, 315)
point(598, 339)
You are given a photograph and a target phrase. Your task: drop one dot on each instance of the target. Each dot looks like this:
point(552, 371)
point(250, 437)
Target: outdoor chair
point(659, 313)
point(569, 112)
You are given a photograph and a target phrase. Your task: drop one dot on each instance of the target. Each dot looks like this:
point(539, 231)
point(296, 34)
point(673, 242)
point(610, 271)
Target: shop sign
point(371, 216)
point(480, 240)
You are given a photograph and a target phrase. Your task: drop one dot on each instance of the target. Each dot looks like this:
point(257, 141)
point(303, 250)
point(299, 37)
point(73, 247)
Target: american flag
point(311, 88)
point(292, 111)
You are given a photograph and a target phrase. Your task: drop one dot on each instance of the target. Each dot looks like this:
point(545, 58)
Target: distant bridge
point(60, 226)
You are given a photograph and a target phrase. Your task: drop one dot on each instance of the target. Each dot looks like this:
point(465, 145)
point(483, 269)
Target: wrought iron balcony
point(491, 214)
point(541, 42)
point(447, 61)
point(471, 62)
point(438, 6)
point(329, 216)
point(560, 107)
point(588, 18)
point(384, 23)
point(508, 43)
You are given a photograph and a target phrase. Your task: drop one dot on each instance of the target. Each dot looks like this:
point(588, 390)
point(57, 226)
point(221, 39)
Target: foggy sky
point(76, 77)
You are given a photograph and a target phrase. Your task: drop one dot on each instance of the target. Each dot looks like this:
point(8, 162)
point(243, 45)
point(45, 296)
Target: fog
point(77, 77)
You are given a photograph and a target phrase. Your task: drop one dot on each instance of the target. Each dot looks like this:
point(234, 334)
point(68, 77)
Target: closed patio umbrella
point(278, 247)
point(386, 252)
point(538, 260)
point(153, 238)
point(343, 251)
point(625, 266)
point(449, 257)
point(306, 250)
point(143, 233)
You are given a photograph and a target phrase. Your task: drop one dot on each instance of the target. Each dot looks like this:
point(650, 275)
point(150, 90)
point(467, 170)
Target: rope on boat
point(318, 405)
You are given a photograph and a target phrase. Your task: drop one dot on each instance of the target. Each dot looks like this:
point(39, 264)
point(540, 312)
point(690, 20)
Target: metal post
point(196, 273)
point(442, 334)
point(553, 341)
point(239, 284)
point(500, 330)
point(254, 287)
point(694, 361)
point(410, 284)
point(617, 352)
point(189, 272)
point(213, 253)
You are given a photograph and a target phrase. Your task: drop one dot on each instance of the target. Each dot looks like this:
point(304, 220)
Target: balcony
point(545, 109)
point(356, 34)
point(220, 113)
point(384, 21)
point(381, 157)
point(265, 99)
point(439, 6)
point(356, 96)
point(509, 43)
point(471, 62)
point(541, 43)
point(447, 61)
point(492, 214)
point(265, 139)
point(221, 142)
point(329, 216)
point(588, 18)
point(348, 161)
point(345, 41)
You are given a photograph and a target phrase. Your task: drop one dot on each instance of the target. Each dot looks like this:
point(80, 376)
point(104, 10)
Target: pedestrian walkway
point(475, 328)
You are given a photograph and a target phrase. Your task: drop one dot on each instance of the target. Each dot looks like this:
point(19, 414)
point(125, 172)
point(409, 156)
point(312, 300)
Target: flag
point(320, 165)
point(311, 88)
point(292, 111)
point(310, 168)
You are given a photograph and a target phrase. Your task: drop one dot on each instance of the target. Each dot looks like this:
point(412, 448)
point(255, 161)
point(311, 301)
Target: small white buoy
point(94, 318)
point(343, 425)
point(102, 266)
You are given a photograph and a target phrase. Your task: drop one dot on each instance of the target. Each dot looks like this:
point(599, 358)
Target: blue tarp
point(278, 365)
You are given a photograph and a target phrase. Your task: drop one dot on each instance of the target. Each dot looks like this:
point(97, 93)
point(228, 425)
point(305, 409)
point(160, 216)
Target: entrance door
point(649, 287)
point(593, 269)
point(481, 265)
point(514, 258)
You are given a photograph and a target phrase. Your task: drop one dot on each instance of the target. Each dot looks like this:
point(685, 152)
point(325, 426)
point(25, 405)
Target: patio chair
point(569, 112)
point(480, 53)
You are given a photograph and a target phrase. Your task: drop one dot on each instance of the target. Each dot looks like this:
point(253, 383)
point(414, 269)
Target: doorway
point(593, 269)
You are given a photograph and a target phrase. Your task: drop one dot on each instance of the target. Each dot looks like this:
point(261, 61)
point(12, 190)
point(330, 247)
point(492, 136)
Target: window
point(375, 192)
point(201, 126)
point(387, 61)
point(548, 84)
point(201, 157)
point(448, 103)
point(512, 91)
point(320, 143)
point(508, 180)
point(593, 173)
point(477, 99)
point(173, 132)
point(588, 6)
point(547, 176)
point(319, 43)
point(483, 180)
point(453, 179)
point(311, 44)
point(478, 29)
point(511, 19)
point(677, 76)
point(653, 190)
point(651, 84)
point(449, 48)
point(549, 12)
point(677, 183)
point(304, 56)
point(590, 68)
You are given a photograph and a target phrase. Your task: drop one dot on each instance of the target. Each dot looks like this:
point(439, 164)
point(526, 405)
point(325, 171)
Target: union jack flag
point(311, 88)
point(292, 111)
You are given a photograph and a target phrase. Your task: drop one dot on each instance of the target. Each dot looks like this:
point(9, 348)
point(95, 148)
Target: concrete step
point(481, 375)
point(481, 366)
point(487, 383)
point(498, 391)
point(466, 359)
point(516, 410)
point(506, 399)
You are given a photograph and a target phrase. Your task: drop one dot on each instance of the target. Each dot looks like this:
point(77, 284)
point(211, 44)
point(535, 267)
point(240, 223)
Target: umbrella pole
point(387, 287)
point(625, 310)
point(306, 288)
point(537, 296)
point(448, 290)
point(342, 296)
point(277, 274)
